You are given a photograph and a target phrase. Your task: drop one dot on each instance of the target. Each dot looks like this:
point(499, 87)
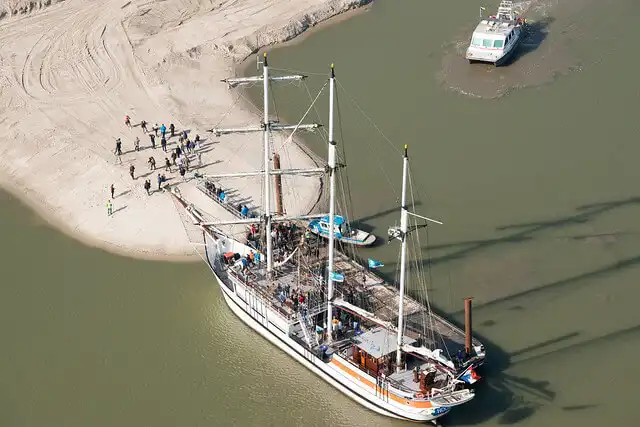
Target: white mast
point(332, 184)
point(404, 217)
point(267, 186)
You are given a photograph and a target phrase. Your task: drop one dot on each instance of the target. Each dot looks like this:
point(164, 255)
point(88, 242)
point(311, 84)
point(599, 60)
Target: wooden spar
point(467, 325)
point(278, 184)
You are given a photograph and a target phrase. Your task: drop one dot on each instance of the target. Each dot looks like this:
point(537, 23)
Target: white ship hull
point(494, 56)
point(268, 323)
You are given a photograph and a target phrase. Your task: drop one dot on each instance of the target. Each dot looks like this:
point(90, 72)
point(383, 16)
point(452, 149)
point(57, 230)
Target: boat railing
point(395, 384)
point(247, 282)
point(225, 203)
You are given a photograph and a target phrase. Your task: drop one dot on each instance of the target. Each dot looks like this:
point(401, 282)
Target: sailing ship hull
point(354, 383)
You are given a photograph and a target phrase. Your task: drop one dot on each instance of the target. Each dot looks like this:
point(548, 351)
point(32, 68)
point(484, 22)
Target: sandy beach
point(70, 73)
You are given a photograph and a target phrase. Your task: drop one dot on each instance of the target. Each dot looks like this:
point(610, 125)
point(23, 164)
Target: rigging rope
point(370, 120)
point(290, 137)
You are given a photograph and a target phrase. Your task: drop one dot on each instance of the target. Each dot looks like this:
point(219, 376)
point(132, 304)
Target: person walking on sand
point(163, 130)
point(118, 150)
point(152, 163)
point(147, 186)
point(113, 190)
point(184, 134)
point(132, 170)
point(156, 128)
point(167, 165)
point(163, 142)
point(127, 121)
point(136, 144)
point(159, 181)
point(109, 208)
point(143, 126)
point(172, 129)
point(182, 172)
point(173, 158)
point(152, 137)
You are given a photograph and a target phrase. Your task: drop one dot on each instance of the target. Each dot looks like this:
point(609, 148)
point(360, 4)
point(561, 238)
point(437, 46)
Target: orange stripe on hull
point(421, 404)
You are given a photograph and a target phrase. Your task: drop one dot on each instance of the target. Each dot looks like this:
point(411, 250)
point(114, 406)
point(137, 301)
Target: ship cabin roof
point(379, 342)
point(494, 28)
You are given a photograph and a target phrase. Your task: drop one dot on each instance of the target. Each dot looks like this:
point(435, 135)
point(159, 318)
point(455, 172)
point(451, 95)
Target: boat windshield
point(498, 43)
point(477, 41)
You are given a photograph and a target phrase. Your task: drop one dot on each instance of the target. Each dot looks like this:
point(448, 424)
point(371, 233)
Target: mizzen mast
point(401, 234)
point(404, 219)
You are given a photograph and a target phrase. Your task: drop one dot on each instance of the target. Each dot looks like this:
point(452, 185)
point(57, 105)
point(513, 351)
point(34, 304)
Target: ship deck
point(361, 287)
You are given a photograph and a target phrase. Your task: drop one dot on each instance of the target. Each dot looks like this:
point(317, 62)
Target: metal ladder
point(309, 335)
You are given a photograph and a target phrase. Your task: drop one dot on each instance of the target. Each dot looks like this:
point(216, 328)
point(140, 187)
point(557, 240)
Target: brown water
point(537, 189)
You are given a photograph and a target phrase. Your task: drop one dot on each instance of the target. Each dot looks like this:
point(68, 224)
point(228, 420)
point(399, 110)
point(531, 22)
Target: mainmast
point(332, 185)
point(267, 184)
point(404, 217)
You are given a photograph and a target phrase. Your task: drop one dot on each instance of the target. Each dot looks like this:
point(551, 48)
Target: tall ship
point(315, 300)
point(497, 37)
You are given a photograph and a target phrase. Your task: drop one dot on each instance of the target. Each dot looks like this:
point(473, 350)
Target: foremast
point(332, 185)
point(267, 184)
point(266, 127)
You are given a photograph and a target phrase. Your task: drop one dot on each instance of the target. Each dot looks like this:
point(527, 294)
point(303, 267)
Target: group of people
point(179, 156)
point(147, 183)
point(246, 262)
point(294, 298)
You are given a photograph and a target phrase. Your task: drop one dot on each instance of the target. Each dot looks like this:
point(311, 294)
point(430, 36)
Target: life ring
point(419, 396)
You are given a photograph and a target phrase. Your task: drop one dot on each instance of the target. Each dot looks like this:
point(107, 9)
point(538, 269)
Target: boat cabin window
point(487, 42)
point(477, 41)
point(498, 43)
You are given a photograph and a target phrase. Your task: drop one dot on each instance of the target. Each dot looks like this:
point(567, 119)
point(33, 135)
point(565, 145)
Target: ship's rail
point(228, 202)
